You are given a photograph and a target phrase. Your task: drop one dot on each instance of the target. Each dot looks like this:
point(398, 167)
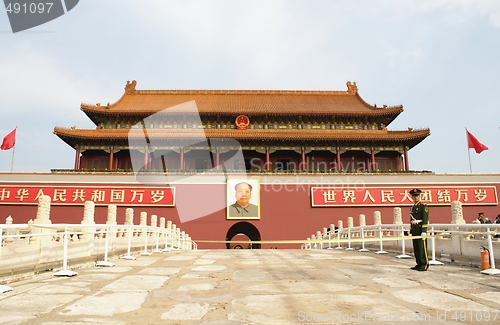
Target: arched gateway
point(245, 228)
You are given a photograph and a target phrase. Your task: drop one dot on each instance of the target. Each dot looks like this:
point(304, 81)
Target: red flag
point(474, 143)
point(9, 140)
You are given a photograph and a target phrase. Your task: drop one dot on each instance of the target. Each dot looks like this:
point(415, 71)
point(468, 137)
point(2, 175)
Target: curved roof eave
point(265, 134)
point(250, 102)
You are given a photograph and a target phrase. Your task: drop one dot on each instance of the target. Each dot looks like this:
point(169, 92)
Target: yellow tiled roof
point(249, 102)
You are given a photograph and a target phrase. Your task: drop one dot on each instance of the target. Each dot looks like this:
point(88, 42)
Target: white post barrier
point(1, 241)
point(157, 234)
point(332, 229)
point(130, 234)
point(157, 229)
point(105, 262)
point(492, 270)
point(143, 222)
point(3, 288)
point(349, 248)
point(403, 245)
point(339, 229)
point(362, 224)
point(433, 260)
point(338, 239)
point(65, 271)
point(183, 239)
point(363, 249)
point(145, 252)
point(178, 237)
point(172, 234)
point(324, 235)
point(381, 250)
point(308, 244)
point(167, 236)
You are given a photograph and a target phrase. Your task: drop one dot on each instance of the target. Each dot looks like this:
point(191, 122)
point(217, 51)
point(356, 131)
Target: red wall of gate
point(286, 213)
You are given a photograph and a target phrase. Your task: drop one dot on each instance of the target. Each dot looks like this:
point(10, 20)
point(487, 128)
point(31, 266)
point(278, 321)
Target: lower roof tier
point(75, 137)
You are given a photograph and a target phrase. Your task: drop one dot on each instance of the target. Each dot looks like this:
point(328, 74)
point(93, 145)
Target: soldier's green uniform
point(419, 216)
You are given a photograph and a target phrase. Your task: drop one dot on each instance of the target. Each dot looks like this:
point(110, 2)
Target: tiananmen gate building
point(307, 159)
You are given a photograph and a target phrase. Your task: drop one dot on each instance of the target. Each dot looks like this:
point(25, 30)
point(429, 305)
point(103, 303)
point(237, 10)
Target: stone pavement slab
point(236, 287)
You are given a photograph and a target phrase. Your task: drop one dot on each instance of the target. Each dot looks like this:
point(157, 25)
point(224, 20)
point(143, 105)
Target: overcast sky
point(440, 59)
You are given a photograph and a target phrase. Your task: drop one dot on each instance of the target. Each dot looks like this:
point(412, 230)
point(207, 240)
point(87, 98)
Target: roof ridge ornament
point(130, 87)
point(352, 89)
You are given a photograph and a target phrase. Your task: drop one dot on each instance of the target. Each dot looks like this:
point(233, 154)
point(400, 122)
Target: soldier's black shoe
point(414, 267)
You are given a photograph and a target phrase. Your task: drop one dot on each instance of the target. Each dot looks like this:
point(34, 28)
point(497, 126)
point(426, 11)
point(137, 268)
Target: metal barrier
point(24, 246)
point(458, 240)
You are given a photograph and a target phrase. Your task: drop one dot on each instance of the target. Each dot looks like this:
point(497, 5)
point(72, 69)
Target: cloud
point(35, 81)
point(261, 40)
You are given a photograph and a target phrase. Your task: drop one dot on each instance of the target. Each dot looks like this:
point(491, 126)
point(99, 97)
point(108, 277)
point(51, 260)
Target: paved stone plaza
point(257, 287)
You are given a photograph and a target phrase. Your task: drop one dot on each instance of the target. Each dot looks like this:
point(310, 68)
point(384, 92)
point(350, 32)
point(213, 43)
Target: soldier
point(419, 215)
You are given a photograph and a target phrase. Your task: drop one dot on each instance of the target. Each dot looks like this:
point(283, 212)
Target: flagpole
point(468, 150)
point(13, 150)
point(470, 165)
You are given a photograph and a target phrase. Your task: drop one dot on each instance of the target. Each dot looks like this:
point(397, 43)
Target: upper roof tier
point(248, 102)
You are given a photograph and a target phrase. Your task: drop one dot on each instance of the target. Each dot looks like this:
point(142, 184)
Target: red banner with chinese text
point(78, 195)
point(394, 196)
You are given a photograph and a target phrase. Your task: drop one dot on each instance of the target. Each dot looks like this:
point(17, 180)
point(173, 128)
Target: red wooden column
point(372, 162)
point(268, 162)
point(303, 153)
point(338, 159)
point(181, 159)
point(145, 159)
point(77, 159)
point(217, 158)
point(111, 153)
point(407, 165)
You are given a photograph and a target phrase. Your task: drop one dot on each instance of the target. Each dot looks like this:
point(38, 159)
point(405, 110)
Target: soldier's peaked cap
point(415, 192)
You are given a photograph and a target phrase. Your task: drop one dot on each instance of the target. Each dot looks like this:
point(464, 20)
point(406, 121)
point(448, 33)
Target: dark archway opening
point(244, 228)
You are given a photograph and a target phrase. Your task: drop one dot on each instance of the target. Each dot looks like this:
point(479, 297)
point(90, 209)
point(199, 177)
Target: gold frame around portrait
point(230, 196)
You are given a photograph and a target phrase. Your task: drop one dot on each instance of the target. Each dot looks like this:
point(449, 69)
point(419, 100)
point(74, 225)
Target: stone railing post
point(42, 218)
point(43, 210)
point(340, 226)
point(362, 220)
point(154, 220)
point(129, 221)
point(143, 222)
point(88, 219)
point(398, 217)
point(111, 219)
point(377, 218)
point(457, 218)
point(8, 241)
point(350, 222)
point(398, 220)
point(112, 233)
point(129, 216)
